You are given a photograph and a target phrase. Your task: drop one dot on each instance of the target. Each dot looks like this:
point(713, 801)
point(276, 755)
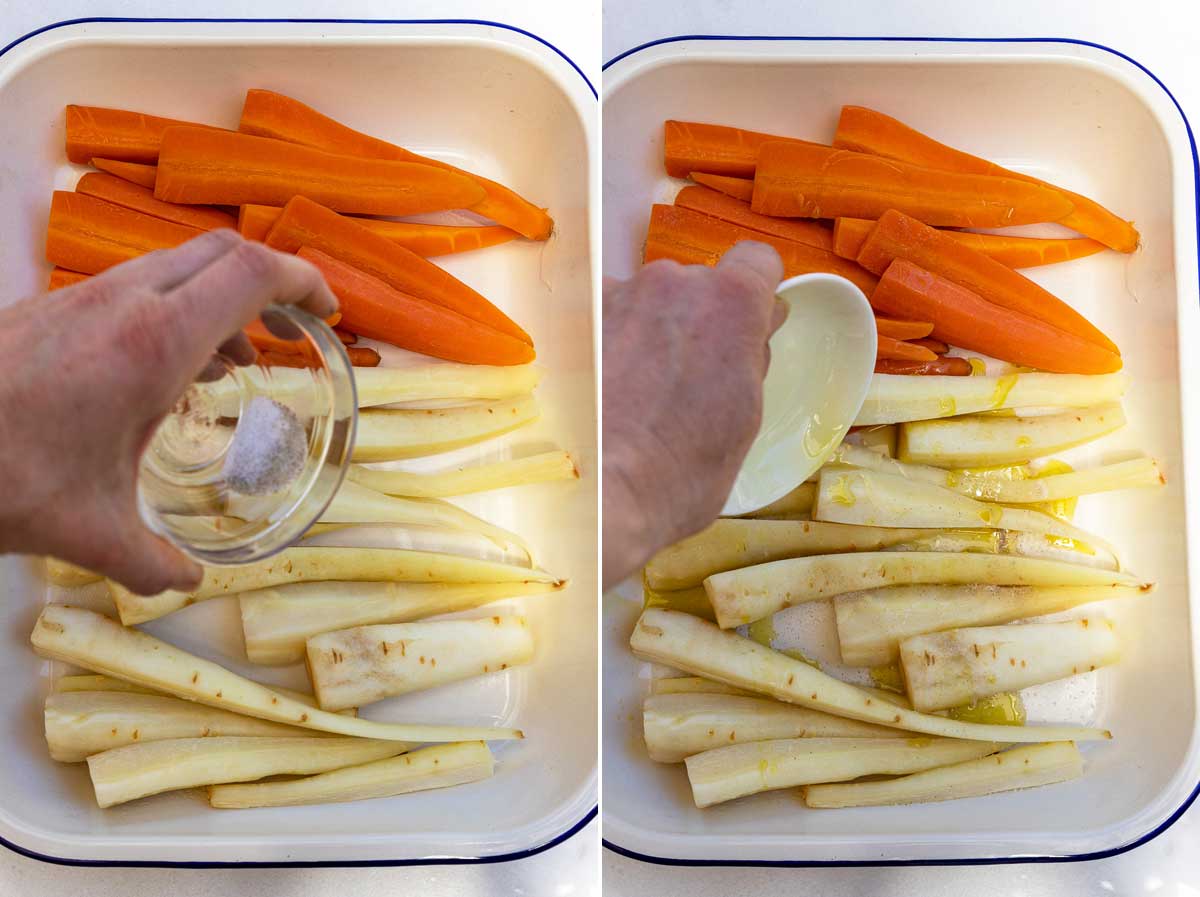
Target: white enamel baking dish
point(1080, 116)
point(488, 98)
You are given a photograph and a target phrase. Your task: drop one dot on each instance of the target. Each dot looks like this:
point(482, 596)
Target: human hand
point(90, 371)
point(685, 353)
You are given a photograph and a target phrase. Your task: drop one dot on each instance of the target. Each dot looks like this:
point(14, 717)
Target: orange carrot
point(374, 309)
point(117, 134)
point(347, 338)
point(305, 223)
point(715, 149)
point(363, 356)
point(897, 329)
point(735, 211)
point(738, 188)
point(268, 358)
point(897, 235)
point(899, 350)
point(820, 182)
point(134, 172)
point(198, 165)
point(90, 235)
point(61, 277)
point(868, 131)
point(270, 114)
point(141, 199)
point(696, 239)
point(950, 366)
point(964, 319)
point(1016, 252)
point(936, 346)
point(254, 222)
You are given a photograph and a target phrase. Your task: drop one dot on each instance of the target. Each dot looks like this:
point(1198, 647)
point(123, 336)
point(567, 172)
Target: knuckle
point(143, 331)
point(254, 261)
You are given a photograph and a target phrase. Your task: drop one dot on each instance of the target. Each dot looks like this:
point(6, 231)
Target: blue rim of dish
point(966, 861)
point(434, 861)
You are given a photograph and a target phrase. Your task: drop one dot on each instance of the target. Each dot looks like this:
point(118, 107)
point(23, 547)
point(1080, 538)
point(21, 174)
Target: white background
point(569, 870)
point(1162, 35)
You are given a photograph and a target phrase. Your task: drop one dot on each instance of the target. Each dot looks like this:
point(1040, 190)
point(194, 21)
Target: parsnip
point(796, 505)
point(390, 435)
point(871, 498)
point(880, 439)
point(92, 682)
point(68, 575)
point(322, 565)
point(689, 601)
point(731, 772)
point(540, 468)
point(677, 726)
point(993, 441)
point(139, 770)
point(700, 648)
point(732, 543)
point(872, 624)
point(896, 398)
point(743, 596)
point(439, 766)
point(277, 622)
point(93, 641)
point(690, 685)
point(1002, 541)
point(82, 723)
point(352, 667)
point(945, 669)
point(1022, 767)
point(1011, 485)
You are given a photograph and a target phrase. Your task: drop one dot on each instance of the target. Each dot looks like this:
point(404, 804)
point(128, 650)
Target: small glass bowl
point(251, 455)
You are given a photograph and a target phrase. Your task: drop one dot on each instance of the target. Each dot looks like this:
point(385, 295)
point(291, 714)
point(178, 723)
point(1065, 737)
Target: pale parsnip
point(540, 468)
point(728, 544)
point(946, 669)
point(702, 649)
point(994, 441)
point(743, 596)
point(691, 685)
point(93, 682)
point(139, 770)
point(796, 505)
point(352, 667)
point(68, 575)
point(1027, 766)
point(438, 766)
point(97, 643)
point(679, 725)
point(689, 601)
point(896, 398)
point(323, 565)
point(1002, 541)
point(391, 435)
point(82, 723)
point(277, 622)
point(728, 773)
point(872, 624)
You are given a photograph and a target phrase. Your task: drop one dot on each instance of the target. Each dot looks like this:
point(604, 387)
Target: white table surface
point(1160, 34)
point(567, 870)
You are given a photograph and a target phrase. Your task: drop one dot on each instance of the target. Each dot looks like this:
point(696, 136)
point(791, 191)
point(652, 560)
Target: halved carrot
point(306, 223)
point(950, 366)
point(812, 181)
point(89, 235)
point(897, 235)
point(716, 149)
point(372, 308)
point(134, 172)
point(697, 239)
point(868, 131)
point(899, 350)
point(964, 319)
point(936, 346)
point(429, 240)
point(198, 165)
point(345, 336)
point(735, 211)
point(61, 277)
point(898, 329)
point(141, 199)
point(363, 356)
point(270, 114)
point(1016, 252)
point(738, 188)
point(93, 131)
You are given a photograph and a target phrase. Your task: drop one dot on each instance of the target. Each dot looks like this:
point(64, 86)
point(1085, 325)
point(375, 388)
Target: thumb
point(750, 272)
point(150, 564)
